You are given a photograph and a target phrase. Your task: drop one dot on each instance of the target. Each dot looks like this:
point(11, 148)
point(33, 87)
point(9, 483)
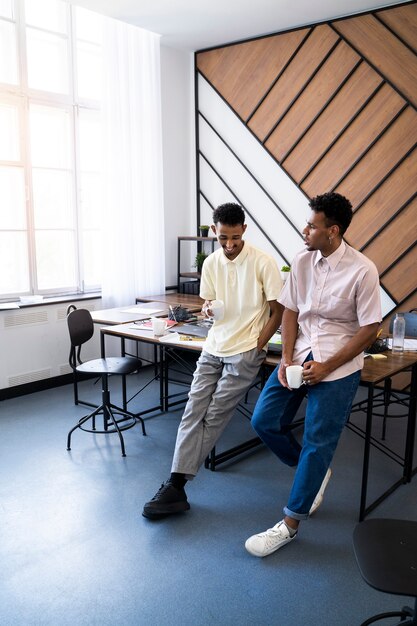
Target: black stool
point(386, 553)
point(81, 329)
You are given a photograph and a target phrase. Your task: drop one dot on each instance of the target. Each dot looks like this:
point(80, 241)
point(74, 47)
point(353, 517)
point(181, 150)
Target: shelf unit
point(193, 278)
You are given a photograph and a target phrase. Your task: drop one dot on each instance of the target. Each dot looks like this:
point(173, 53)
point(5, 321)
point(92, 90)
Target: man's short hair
point(336, 208)
point(229, 213)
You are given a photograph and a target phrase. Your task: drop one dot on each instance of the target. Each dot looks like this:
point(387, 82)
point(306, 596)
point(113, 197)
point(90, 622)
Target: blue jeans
point(328, 408)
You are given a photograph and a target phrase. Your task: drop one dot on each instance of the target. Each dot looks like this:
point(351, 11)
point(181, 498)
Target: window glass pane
point(8, 53)
point(48, 14)
point(6, 8)
point(14, 275)
point(9, 133)
point(50, 137)
point(12, 195)
point(52, 199)
point(62, 147)
point(90, 141)
point(89, 69)
point(47, 58)
point(89, 25)
point(92, 251)
point(55, 259)
point(91, 200)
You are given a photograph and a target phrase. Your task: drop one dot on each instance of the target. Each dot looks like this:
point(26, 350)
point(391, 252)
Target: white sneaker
point(269, 541)
point(319, 497)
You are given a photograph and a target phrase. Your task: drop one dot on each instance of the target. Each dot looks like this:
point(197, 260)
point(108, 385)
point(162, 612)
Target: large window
point(50, 152)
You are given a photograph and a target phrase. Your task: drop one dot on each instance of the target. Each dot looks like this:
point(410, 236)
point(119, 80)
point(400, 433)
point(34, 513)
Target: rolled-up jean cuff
point(298, 516)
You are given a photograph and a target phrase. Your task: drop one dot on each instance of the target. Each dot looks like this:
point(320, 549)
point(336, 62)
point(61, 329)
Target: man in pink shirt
point(332, 313)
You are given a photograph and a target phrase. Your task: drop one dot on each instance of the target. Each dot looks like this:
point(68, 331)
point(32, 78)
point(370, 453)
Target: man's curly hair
point(229, 213)
point(336, 208)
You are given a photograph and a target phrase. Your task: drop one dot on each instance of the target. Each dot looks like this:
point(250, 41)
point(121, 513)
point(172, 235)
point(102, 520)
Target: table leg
point(124, 393)
point(411, 427)
point(163, 378)
point(102, 345)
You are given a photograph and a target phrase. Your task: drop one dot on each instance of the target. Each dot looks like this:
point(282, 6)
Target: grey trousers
point(219, 384)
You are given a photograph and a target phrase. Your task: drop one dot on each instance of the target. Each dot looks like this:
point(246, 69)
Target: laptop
point(195, 330)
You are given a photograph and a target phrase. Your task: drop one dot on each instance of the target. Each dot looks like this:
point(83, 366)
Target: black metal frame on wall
point(232, 159)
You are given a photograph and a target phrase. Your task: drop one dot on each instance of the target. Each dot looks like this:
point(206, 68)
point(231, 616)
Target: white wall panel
point(282, 233)
point(218, 194)
point(212, 187)
point(243, 143)
point(387, 303)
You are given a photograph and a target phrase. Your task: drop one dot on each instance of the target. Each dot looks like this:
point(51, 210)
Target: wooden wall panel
point(401, 279)
point(403, 21)
point(293, 80)
point(395, 239)
point(334, 125)
point(332, 121)
point(385, 51)
point(355, 141)
point(382, 205)
point(381, 158)
point(319, 91)
point(243, 73)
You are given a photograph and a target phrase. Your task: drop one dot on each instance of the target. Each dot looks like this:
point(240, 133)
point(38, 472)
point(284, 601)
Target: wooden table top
point(374, 370)
point(190, 301)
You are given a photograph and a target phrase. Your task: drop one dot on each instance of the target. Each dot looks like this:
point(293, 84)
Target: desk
point(189, 301)
point(374, 373)
point(127, 331)
point(121, 315)
point(136, 312)
point(128, 314)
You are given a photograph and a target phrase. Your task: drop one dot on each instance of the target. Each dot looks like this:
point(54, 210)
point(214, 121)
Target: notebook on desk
point(194, 330)
point(275, 344)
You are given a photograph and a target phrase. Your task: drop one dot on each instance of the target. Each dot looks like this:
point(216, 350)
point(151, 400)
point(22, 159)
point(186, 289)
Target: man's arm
point(314, 371)
point(288, 335)
point(272, 324)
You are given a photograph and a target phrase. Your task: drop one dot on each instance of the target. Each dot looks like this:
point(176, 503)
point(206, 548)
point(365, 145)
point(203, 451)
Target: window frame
point(23, 97)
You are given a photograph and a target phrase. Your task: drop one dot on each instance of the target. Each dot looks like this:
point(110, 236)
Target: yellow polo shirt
point(245, 285)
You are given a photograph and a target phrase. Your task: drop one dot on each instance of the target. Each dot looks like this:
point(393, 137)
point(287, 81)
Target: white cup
point(158, 326)
point(294, 374)
point(217, 310)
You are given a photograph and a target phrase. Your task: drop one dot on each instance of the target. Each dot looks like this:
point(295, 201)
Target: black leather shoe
point(166, 501)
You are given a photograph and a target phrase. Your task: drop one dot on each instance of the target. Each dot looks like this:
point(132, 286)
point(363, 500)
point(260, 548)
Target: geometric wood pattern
point(336, 106)
point(261, 60)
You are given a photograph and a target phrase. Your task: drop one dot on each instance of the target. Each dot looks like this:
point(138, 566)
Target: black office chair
point(386, 553)
point(81, 329)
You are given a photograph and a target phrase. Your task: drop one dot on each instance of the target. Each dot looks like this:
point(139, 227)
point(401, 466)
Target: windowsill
point(56, 300)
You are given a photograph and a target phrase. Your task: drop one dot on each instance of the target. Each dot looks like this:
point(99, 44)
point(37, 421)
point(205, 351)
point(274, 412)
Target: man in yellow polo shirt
point(248, 282)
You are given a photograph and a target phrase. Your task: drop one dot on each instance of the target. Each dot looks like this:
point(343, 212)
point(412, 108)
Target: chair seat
point(110, 365)
point(386, 552)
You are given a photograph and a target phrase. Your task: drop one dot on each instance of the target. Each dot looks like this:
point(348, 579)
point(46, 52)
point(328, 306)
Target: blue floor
point(75, 549)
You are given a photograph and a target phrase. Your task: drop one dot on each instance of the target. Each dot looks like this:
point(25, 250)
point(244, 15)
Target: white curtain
point(133, 213)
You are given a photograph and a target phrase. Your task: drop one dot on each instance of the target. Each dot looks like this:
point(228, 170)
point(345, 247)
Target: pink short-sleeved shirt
point(334, 296)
